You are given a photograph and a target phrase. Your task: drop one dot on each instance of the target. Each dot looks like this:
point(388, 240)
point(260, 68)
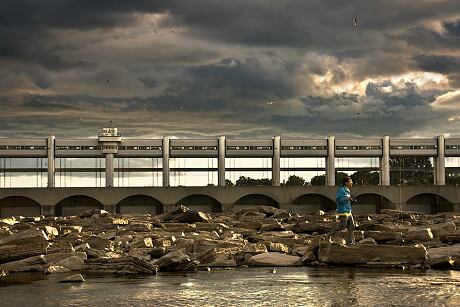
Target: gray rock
point(370, 241)
point(176, 261)
point(125, 265)
point(274, 259)
point(10, 253)
point(53, 269)
point(448, 256)
point(419, 234)
point(35, 263)
point(361, 254)
point(30, 236)
point(74, 278)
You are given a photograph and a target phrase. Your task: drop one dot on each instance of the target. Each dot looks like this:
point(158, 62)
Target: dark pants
point(345, 222)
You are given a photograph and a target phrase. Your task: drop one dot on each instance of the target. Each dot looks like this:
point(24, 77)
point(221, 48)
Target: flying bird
point(355, 22)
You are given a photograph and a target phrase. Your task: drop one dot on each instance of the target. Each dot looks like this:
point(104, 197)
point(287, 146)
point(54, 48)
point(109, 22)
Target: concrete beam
point(384, 161)
point(109, 170)
point(221, 162)
point(440, 162)
point(330, 161)
point(276, 161)
point(51, 163)
point(165, 150)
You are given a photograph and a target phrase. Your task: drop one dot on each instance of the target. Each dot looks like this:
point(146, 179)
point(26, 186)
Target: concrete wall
point(69, 200)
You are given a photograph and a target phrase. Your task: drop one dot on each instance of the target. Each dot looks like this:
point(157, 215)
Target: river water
point(299, 286)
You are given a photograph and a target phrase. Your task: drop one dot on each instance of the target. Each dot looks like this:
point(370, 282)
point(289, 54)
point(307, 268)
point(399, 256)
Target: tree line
point(403, 170)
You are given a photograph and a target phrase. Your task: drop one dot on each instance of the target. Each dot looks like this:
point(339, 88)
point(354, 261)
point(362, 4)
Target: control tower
point(109, 140)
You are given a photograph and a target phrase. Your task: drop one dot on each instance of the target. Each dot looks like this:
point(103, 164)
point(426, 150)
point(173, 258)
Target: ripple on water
point(304, 286)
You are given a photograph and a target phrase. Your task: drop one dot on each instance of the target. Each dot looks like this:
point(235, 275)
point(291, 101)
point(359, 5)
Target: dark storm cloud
point(206, 67)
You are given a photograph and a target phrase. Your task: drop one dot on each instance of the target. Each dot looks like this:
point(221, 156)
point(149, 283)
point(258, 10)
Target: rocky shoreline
point(102, 243)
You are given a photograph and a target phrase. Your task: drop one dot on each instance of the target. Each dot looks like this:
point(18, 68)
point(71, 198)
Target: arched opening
point(74, 205)
point(200, 202)
point(309, 203)
point(254, 200)
point(370, 203)
point(428, 203)
point(139, 204)
point(19, 205)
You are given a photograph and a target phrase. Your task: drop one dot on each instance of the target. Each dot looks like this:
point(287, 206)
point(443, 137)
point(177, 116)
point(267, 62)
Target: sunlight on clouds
point(448, 101)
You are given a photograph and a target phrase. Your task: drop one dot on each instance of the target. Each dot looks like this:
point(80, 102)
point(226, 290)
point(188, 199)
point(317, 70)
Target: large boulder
point(53, 269)
point(90, 213)
point(183, 214)
point(125, 265)
point(274, 259)
point(55, 258)
point(73, 263)
point(382, 236)
point(311, 227)
point(443, 229)
point(23, 244)
point(453, 237)
point(218, 257)
point(203, 245)
point(267, 210)
point(443, 256)
point(362, 254)
point(419, 235)
point(176, 261)
point(99, 243)
point(73, 278)
point(33, 235)
point(35, 263)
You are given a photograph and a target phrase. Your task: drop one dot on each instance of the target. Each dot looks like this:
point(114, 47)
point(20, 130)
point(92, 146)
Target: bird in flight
point(355, 22)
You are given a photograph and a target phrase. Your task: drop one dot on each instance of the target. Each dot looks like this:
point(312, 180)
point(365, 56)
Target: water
point(300, 286)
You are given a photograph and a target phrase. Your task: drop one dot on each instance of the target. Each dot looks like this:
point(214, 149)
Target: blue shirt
point(341, 198)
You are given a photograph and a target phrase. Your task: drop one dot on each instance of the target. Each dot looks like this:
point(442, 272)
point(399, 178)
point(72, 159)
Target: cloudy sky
point(244, 69)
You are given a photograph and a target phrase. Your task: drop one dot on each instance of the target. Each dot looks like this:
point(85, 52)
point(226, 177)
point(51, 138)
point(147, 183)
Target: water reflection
point(304, 286)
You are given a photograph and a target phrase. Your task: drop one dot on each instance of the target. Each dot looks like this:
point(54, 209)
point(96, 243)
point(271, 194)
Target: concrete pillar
point(221, 162)
point(384, 160)
point(456, 207)
point(48, 210)
point(227, 208)
point(276, 161)
point(330, 161)
point(440, 162)
point(51, 163)
point(165, 161)
point(286, 206)
point(109, 169)
point(168, 208)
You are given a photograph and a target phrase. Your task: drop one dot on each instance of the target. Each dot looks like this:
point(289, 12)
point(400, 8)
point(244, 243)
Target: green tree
point(248, 181)
point(295, 180)
point(365, 177)
point(229, 183)
point(411, 170)
point(318, 180)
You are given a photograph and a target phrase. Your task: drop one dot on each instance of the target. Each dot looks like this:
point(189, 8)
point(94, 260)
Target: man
point(344, 200)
